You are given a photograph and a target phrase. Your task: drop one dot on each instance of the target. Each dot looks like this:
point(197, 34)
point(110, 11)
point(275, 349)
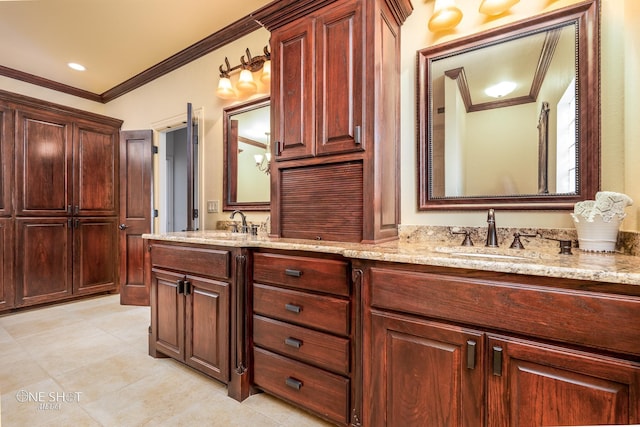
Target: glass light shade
point(245, 84)
point(446, 15)
point(258, 158)
point(266, 72)
point(225, 90)
point(268, 156)
point(496, 7)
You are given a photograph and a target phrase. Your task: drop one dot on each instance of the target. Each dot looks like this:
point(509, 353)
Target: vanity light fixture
point(246, 85)
point(263, 161)
point(496, 7)
point(501, 89)
point(446, 15)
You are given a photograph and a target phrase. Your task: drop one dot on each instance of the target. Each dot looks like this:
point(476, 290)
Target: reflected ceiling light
point(501, 89)
point(446, 15)
point(76, 66)
point(246, 85)
point(496, 7)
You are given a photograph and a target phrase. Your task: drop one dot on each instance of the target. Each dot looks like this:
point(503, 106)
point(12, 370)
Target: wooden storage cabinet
point(470, 348)
point(335, 118)
point(7, 288)
point(302, 335)
point(190, 306)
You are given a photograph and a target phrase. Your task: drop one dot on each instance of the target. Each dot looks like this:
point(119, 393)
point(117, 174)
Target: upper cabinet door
point(6, 159)
point(43, 164)
point(339, 78)
point(292, 91)
point(95, 170)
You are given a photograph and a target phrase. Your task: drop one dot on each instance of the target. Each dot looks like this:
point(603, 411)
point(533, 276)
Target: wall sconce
point(245, 86)
point(446, 15)
point(496, 7)
point(263, 162)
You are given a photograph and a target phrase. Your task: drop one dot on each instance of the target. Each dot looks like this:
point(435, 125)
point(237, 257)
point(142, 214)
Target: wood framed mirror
point(246, 132)
point(537, 147)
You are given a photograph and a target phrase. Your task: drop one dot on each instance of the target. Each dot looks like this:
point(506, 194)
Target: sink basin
point(487, 253)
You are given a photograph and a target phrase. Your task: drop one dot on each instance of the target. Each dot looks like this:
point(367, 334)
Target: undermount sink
point(487, 253)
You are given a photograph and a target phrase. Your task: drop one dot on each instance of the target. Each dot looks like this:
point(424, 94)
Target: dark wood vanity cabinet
point(335, 119)
point(302, 332)
point(197, 309)
point(450, 347)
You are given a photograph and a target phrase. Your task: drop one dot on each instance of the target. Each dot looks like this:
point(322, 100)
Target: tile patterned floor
point(85, 363)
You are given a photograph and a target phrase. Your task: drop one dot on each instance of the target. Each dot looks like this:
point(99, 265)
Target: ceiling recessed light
point(76, 67)
point(501, 89)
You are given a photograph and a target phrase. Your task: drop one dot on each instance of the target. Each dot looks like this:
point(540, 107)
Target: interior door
point(135, 213)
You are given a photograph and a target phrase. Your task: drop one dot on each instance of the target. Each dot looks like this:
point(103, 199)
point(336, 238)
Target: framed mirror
point(246, 134)
point(510, 117)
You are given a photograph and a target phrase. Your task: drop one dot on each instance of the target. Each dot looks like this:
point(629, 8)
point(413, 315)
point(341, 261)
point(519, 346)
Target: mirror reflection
point(247, 155)
point(507, 128)
point(510, 116)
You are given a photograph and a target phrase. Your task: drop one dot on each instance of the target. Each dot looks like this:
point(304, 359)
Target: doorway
point(172, 199)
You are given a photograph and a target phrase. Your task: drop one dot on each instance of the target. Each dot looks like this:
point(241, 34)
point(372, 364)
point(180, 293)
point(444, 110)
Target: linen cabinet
point(335, 93)
point(7, 287)
point(64, 216)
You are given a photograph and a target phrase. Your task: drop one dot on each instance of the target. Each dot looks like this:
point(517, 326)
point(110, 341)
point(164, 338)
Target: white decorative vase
point(597, 235)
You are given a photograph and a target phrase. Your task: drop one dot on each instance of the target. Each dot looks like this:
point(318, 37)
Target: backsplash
point(628, 242)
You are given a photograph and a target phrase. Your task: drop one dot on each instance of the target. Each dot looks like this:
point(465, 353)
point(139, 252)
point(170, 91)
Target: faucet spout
point(492, 236)
point(245, 227)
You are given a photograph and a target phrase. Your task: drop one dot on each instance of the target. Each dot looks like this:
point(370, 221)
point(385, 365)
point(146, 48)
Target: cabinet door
point(6, 159)
point(423, 374)
point(207, 326)
point(167, 313)
point(43, 164)
point(292, 99)
point(95, 174)
point(95, 253)
point(43, 259)
point(6, 264)
point(535, 385)
point(339, 57)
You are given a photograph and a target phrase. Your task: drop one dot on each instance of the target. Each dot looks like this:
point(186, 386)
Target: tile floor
point(85, 363)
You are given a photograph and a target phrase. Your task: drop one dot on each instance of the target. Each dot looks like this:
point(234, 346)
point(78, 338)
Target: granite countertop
point(539, 261)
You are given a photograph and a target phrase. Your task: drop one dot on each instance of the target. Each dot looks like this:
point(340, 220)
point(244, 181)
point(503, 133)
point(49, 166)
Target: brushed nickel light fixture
point(245, 86)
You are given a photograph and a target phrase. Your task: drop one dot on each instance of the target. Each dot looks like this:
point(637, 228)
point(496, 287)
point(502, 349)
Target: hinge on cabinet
point(195, 214)
point(154, 149)
point(155, 213)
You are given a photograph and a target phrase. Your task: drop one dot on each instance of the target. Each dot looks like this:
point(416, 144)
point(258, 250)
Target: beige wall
point(196, 82)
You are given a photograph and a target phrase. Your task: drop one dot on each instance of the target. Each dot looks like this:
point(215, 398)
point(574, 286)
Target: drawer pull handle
point(293, 342)
point(293, 308)
point(294, 383)
point(471, 354)
point(497, 361)
point(292, 273)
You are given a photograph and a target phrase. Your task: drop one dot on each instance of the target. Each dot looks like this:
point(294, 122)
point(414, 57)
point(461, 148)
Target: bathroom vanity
point(424, 331)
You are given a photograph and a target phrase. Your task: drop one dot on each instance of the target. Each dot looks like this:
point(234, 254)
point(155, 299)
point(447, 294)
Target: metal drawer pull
point(471, 354)
point(292, 273)
point(497, 361)
point(293, 308)
point(293, 342)
point(294, 383)
point(180, 287)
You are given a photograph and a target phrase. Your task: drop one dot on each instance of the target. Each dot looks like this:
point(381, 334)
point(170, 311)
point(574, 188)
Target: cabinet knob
point(123, 226)
point(497, 361)
point(293, 383)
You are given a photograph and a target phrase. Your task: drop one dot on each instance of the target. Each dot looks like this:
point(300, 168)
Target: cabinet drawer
point(317, 348)
point(579, 317)
point(319, 312)
point(316, 274)
point(313, 388)
point(195, 260)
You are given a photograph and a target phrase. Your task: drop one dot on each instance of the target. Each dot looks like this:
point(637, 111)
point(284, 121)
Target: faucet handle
point(517, 244)
point(467, 237)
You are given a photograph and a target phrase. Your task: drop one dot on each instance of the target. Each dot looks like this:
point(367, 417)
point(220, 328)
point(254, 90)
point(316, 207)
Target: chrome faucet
point(492, 237)
point(245, 227)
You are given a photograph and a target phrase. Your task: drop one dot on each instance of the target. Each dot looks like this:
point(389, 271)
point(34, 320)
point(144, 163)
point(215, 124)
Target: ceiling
point(114, 39)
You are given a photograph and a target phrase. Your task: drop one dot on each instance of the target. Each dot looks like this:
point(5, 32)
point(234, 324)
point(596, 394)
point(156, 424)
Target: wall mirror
point(246, 134)
point(511, 117)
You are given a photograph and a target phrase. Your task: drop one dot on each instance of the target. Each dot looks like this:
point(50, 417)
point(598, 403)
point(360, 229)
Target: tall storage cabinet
point(335, 118)
point(6, 223)
point(64, 219)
